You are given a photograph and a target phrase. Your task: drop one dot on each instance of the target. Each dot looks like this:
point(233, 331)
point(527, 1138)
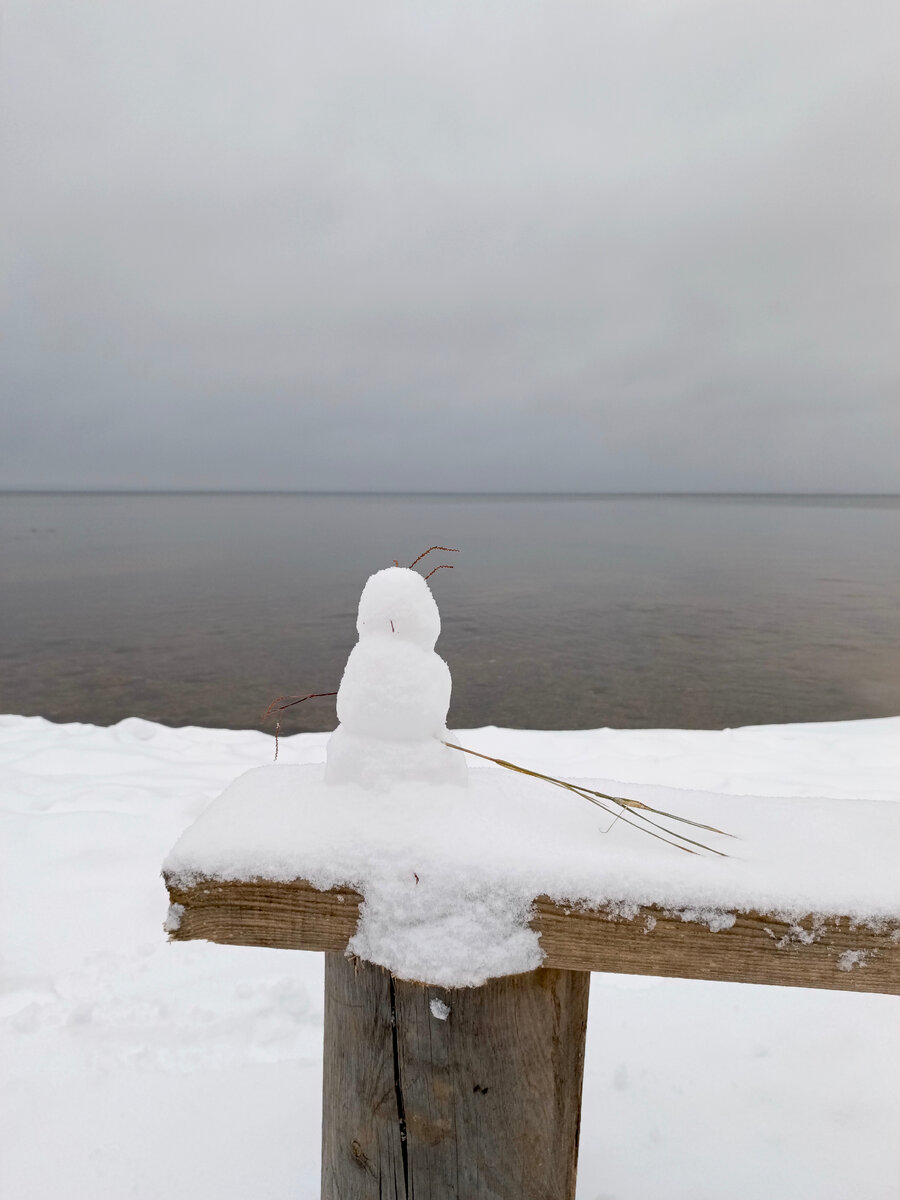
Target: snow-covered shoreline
point(116, 1041)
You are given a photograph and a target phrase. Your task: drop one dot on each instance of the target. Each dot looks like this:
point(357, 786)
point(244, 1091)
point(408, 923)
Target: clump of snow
point(852, 958)
point(616, 910)
point(715, 919)
point(798, 935)
point(443, 928)
point(172, 922)
point(439, 1010)
point(395, 692)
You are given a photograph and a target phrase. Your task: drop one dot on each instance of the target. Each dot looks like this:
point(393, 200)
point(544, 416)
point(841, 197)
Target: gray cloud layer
point(451, 245)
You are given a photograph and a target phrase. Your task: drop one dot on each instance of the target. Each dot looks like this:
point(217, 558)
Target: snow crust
point(691, 1088)
point(439, 1010)
point(852, 958)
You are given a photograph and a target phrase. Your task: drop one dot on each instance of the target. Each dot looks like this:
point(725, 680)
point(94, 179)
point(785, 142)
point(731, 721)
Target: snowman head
point(398, 602)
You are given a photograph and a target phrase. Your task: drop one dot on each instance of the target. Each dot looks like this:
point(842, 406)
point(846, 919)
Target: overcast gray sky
point(451, 245)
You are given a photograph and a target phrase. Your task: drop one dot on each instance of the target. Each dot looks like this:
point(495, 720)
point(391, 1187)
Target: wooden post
point(481, 1105)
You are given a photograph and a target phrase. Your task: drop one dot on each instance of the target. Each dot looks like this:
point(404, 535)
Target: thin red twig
point(442, 567)
point(449, 549)
point(275, 707)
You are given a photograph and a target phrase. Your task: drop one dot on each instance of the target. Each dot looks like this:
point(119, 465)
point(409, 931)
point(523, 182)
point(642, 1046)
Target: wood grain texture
point(484, 1105)
point(286, 916)
point(829, 953)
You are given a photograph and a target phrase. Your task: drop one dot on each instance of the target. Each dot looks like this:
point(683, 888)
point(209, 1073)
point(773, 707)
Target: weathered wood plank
point(828, 953)
point(814, 952)
point(482, 1105)
point(286, 916)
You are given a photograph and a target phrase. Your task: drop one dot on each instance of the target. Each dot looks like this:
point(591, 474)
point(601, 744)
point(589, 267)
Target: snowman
point(393, 699)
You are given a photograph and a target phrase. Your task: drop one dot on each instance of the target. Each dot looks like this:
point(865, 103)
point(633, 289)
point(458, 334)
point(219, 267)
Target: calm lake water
point(561, 612)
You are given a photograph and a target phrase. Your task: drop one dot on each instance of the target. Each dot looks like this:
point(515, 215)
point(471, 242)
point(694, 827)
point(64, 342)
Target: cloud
point(451, 245)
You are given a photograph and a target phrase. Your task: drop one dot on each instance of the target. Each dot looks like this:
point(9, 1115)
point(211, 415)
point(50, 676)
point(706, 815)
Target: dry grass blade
point(617, 816)
point(625, 805)
point(660, 812)
point(587, 795)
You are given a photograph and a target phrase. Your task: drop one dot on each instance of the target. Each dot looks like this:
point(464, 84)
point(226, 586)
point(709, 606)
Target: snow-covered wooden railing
point(457, 976)
point(833, 952)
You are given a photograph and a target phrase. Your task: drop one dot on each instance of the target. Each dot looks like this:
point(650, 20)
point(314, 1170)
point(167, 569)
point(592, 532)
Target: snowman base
point(451, 1092)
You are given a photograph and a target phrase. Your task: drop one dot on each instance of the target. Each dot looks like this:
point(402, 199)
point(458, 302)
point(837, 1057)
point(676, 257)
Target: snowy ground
point(137, 1068)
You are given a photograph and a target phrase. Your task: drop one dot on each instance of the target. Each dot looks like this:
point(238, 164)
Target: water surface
point(561, 611)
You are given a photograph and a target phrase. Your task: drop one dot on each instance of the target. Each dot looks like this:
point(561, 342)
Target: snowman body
point(395, 692)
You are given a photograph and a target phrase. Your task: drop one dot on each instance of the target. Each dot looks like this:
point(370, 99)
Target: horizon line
point(175, 491)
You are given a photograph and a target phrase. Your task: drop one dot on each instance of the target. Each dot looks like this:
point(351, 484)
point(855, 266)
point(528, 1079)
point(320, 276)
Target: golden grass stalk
point(635, 807)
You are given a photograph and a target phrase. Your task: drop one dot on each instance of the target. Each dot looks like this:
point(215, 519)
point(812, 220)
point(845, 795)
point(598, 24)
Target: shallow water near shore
point(561, 612)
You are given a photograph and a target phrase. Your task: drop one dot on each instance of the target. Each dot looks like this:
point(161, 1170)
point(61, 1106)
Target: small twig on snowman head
point(442, 567)
point(449, 549)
